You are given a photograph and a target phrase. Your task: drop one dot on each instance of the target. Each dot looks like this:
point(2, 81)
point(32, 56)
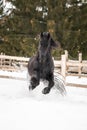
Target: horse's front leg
point(34, 82)
point(50, 85)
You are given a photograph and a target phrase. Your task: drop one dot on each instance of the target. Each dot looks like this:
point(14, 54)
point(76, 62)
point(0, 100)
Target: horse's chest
point(44, 70)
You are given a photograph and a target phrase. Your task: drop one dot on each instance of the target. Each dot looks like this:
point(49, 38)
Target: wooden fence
point(12, 63)
point(65, 66)
point(73, 67)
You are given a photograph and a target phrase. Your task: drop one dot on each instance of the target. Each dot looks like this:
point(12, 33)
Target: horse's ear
point(53, 43)
point(41, 35)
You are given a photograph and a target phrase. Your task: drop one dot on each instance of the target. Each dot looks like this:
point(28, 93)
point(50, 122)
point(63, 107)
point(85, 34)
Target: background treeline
point(20, 26)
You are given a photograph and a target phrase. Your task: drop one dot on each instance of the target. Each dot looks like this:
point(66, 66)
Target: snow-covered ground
point(24, 110)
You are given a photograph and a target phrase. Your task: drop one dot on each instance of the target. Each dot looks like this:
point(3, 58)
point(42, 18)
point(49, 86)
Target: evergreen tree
point(83, 30)
point(56, 18)
point(76, 34)
point(22, 25)
point(1, 20)
point(66, 20)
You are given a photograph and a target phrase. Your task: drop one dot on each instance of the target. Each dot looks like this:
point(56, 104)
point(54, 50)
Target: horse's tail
point(59, 83)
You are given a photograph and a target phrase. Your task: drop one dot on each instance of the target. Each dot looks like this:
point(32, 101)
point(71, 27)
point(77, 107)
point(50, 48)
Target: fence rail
point(12, 63)
point(72, 67)
point(65, 66)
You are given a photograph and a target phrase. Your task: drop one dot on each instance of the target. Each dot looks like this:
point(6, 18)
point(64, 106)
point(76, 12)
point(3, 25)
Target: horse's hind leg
point(50, 85)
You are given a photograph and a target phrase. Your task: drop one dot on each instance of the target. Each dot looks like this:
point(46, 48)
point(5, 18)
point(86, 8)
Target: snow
point(7, 6)
point(76, 80)
point(21, 74)
point(24, 110)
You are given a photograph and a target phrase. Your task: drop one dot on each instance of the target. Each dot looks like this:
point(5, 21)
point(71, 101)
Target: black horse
point(41, 65)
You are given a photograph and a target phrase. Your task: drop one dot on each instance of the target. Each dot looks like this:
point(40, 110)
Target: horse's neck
point(44, 60)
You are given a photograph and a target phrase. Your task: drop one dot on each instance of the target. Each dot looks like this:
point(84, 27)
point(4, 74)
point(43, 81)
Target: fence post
point(66, 53)
point(10, 63)
point(80, 67)
point(63, 65)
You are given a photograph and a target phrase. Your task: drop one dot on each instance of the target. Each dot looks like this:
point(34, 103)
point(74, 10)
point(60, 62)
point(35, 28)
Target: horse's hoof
point(46, 90)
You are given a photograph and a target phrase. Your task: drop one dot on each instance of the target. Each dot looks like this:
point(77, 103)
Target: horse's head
point(46, 44)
